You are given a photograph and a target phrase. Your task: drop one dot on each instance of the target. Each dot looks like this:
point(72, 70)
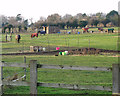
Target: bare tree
point(53, 19)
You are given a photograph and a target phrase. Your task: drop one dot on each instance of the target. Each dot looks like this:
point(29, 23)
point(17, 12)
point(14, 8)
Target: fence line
point(6, 64)
point(33, 77)
point(74, 67)
point(75, 86)
point(116, 78)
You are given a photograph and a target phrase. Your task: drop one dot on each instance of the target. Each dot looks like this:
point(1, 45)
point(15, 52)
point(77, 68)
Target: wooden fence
point(33, 77)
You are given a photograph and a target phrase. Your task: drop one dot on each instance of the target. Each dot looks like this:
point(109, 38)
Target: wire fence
point(65, 43)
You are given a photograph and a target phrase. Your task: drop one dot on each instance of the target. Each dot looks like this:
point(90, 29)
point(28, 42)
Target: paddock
point(91, 50)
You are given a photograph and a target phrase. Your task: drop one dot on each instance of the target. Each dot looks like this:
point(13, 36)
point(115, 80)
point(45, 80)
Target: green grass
point(53, 91)
point(64, 76)
point(102, 41)
point(89, 60)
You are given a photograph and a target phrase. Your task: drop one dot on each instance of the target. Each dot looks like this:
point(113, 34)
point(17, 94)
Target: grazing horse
point(34, 35)
point(85, 29)
point(42, 32)
point(18, 37)
point(100, 29)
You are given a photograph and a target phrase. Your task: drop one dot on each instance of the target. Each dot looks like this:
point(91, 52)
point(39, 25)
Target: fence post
point(116, 79)
point(25, 68)
point(6, 37)
point(33, 77)
point(1, 77)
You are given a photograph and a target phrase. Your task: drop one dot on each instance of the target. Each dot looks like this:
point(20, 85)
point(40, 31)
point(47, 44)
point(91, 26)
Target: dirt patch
point(84, 51)
point(72, 51)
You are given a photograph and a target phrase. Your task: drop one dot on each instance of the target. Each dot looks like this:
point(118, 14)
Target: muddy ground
point(72, 51)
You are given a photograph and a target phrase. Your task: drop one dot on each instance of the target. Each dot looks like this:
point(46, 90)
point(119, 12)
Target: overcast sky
point(36, 8)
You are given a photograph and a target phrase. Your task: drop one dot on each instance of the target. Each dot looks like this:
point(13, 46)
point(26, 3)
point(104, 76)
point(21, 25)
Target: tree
point(83, 23)
point(13, 21)
point(78, 16)
point(111, 14)
point(94, 22)
point(68, 24)
point(3, 20)
point(74, 23)
point(61, 25)
point(115, 20)
point(25, 24)
point(19, 18)
point(84, 15)
point(10, 26)
point(19, 28)
point(105, 21)
point(66, 18)
point(113, 17)
point(53, 19)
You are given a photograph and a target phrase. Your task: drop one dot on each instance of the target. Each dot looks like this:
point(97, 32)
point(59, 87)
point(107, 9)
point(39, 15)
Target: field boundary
point(74, 67)
point(33, 77)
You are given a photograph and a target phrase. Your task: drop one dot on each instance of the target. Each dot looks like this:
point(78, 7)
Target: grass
point(89, 60)
point(54, 91)
point(64, 76)
point(102, 41)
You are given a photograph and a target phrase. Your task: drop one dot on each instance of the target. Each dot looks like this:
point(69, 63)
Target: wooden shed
point(51, 29)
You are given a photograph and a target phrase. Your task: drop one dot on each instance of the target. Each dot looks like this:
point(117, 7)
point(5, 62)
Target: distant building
point(51, 29)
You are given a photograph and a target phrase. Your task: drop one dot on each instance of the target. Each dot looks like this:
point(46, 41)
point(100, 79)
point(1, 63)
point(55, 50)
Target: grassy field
point(63, 76)
point(97, 40)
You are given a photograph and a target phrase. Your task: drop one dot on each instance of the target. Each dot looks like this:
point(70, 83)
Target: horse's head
point(38, 31)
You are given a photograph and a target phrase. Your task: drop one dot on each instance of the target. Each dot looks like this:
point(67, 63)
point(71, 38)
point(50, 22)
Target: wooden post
point(1, 77)
point(25, 68)
point(48, 44)
point(116, 79)
point(6, 37)
point(10, 36)
point(33, 77)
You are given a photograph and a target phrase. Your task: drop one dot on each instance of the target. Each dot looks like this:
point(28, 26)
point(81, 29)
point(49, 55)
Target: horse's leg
point(18, 40)
point(31, 35)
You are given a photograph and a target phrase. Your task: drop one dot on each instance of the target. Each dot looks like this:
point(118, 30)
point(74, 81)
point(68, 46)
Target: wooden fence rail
point(6, 64)
point(33, 77)
point(74, 67)
point(75, 86)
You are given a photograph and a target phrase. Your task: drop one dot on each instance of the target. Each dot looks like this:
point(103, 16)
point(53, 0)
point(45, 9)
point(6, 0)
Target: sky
point(36, 8)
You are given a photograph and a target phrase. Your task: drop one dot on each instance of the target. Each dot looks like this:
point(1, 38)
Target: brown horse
point(34, 35)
